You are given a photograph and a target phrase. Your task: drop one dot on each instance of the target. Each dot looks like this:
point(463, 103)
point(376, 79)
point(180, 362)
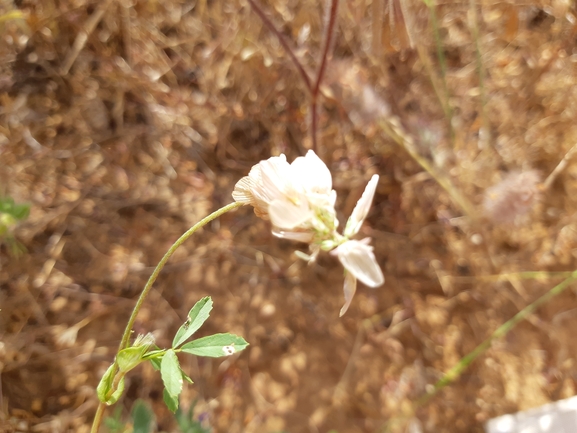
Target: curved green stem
point(169, 253)
point(128, 330)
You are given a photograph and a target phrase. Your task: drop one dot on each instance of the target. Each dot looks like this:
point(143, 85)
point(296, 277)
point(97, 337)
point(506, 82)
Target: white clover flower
point(260, 190)
point(298, 198)
point(299, 201)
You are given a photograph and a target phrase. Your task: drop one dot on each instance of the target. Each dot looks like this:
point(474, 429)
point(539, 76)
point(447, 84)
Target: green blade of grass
point(451, 375)
point(455, 372)
point(444, 97)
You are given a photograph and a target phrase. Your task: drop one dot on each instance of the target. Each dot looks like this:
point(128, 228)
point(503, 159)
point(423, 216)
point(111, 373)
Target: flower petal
point(286, 214)
point(312, 174)
point(362, 208)
point(275, 178)
point(357, 257)
point(349, 288)
point(305, 237)
point(243, 191)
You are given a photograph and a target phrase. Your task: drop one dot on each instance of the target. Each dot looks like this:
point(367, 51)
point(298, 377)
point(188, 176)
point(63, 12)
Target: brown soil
point(169, 103)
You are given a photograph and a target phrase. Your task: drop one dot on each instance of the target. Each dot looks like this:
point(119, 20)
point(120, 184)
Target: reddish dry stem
point(256, 7)
point(329, 30)
point(327, 42)
point(328, 33)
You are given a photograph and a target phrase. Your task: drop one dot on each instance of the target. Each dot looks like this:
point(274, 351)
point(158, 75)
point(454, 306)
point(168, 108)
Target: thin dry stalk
point(474, 24)
point(82, 36)
point(314, 88)
point(267, 22)
point(126, 33)
point(560, 167)
point(327, 43)
point(377, 28)
point(441, 90)
point(392, 127)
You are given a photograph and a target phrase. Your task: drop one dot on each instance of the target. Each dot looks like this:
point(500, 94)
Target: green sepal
point(104, 388)
point(154, 354)
point(328, 245)
point(130, 357)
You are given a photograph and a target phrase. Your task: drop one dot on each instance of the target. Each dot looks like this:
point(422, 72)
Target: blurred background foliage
point(124, 122)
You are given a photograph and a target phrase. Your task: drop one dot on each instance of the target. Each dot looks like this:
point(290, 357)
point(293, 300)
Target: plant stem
point(170, 252)
point(267, 22)
point(393, 128)
point(444, 98)
point(454, 373)
point(331, 19)
point(312, 87)
point(148, 286)
point(328, 39)
point(501, 331)
point(98, 417)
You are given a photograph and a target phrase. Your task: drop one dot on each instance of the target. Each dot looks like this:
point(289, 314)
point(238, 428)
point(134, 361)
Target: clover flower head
point(297, 198)
point(299, 201)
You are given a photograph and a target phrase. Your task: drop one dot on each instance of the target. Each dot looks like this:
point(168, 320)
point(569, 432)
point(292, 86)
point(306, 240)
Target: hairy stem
point(169, 253)
point(128, 330)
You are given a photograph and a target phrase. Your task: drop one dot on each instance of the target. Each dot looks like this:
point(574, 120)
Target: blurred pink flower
point(513, 198)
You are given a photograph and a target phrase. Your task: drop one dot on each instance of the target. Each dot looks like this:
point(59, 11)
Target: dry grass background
point(122, 146)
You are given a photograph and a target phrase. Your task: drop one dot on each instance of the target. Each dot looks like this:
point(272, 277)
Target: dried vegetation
point(124, 122)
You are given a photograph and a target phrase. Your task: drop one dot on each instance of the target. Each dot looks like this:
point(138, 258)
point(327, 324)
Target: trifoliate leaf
point(216, 345)
point(171, 401)
point(196, 317)
point(170, 373)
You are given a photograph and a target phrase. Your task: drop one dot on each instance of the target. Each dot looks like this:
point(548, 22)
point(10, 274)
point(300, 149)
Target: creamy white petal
point(243, 190)
point(362, 208)
point(312, 174)
point(249, 190)
point(275, 177)
point(357, 257)
point(295, 197)
point(305, 237)
point(286, 214)
point(333, 198)
point(349, 288)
